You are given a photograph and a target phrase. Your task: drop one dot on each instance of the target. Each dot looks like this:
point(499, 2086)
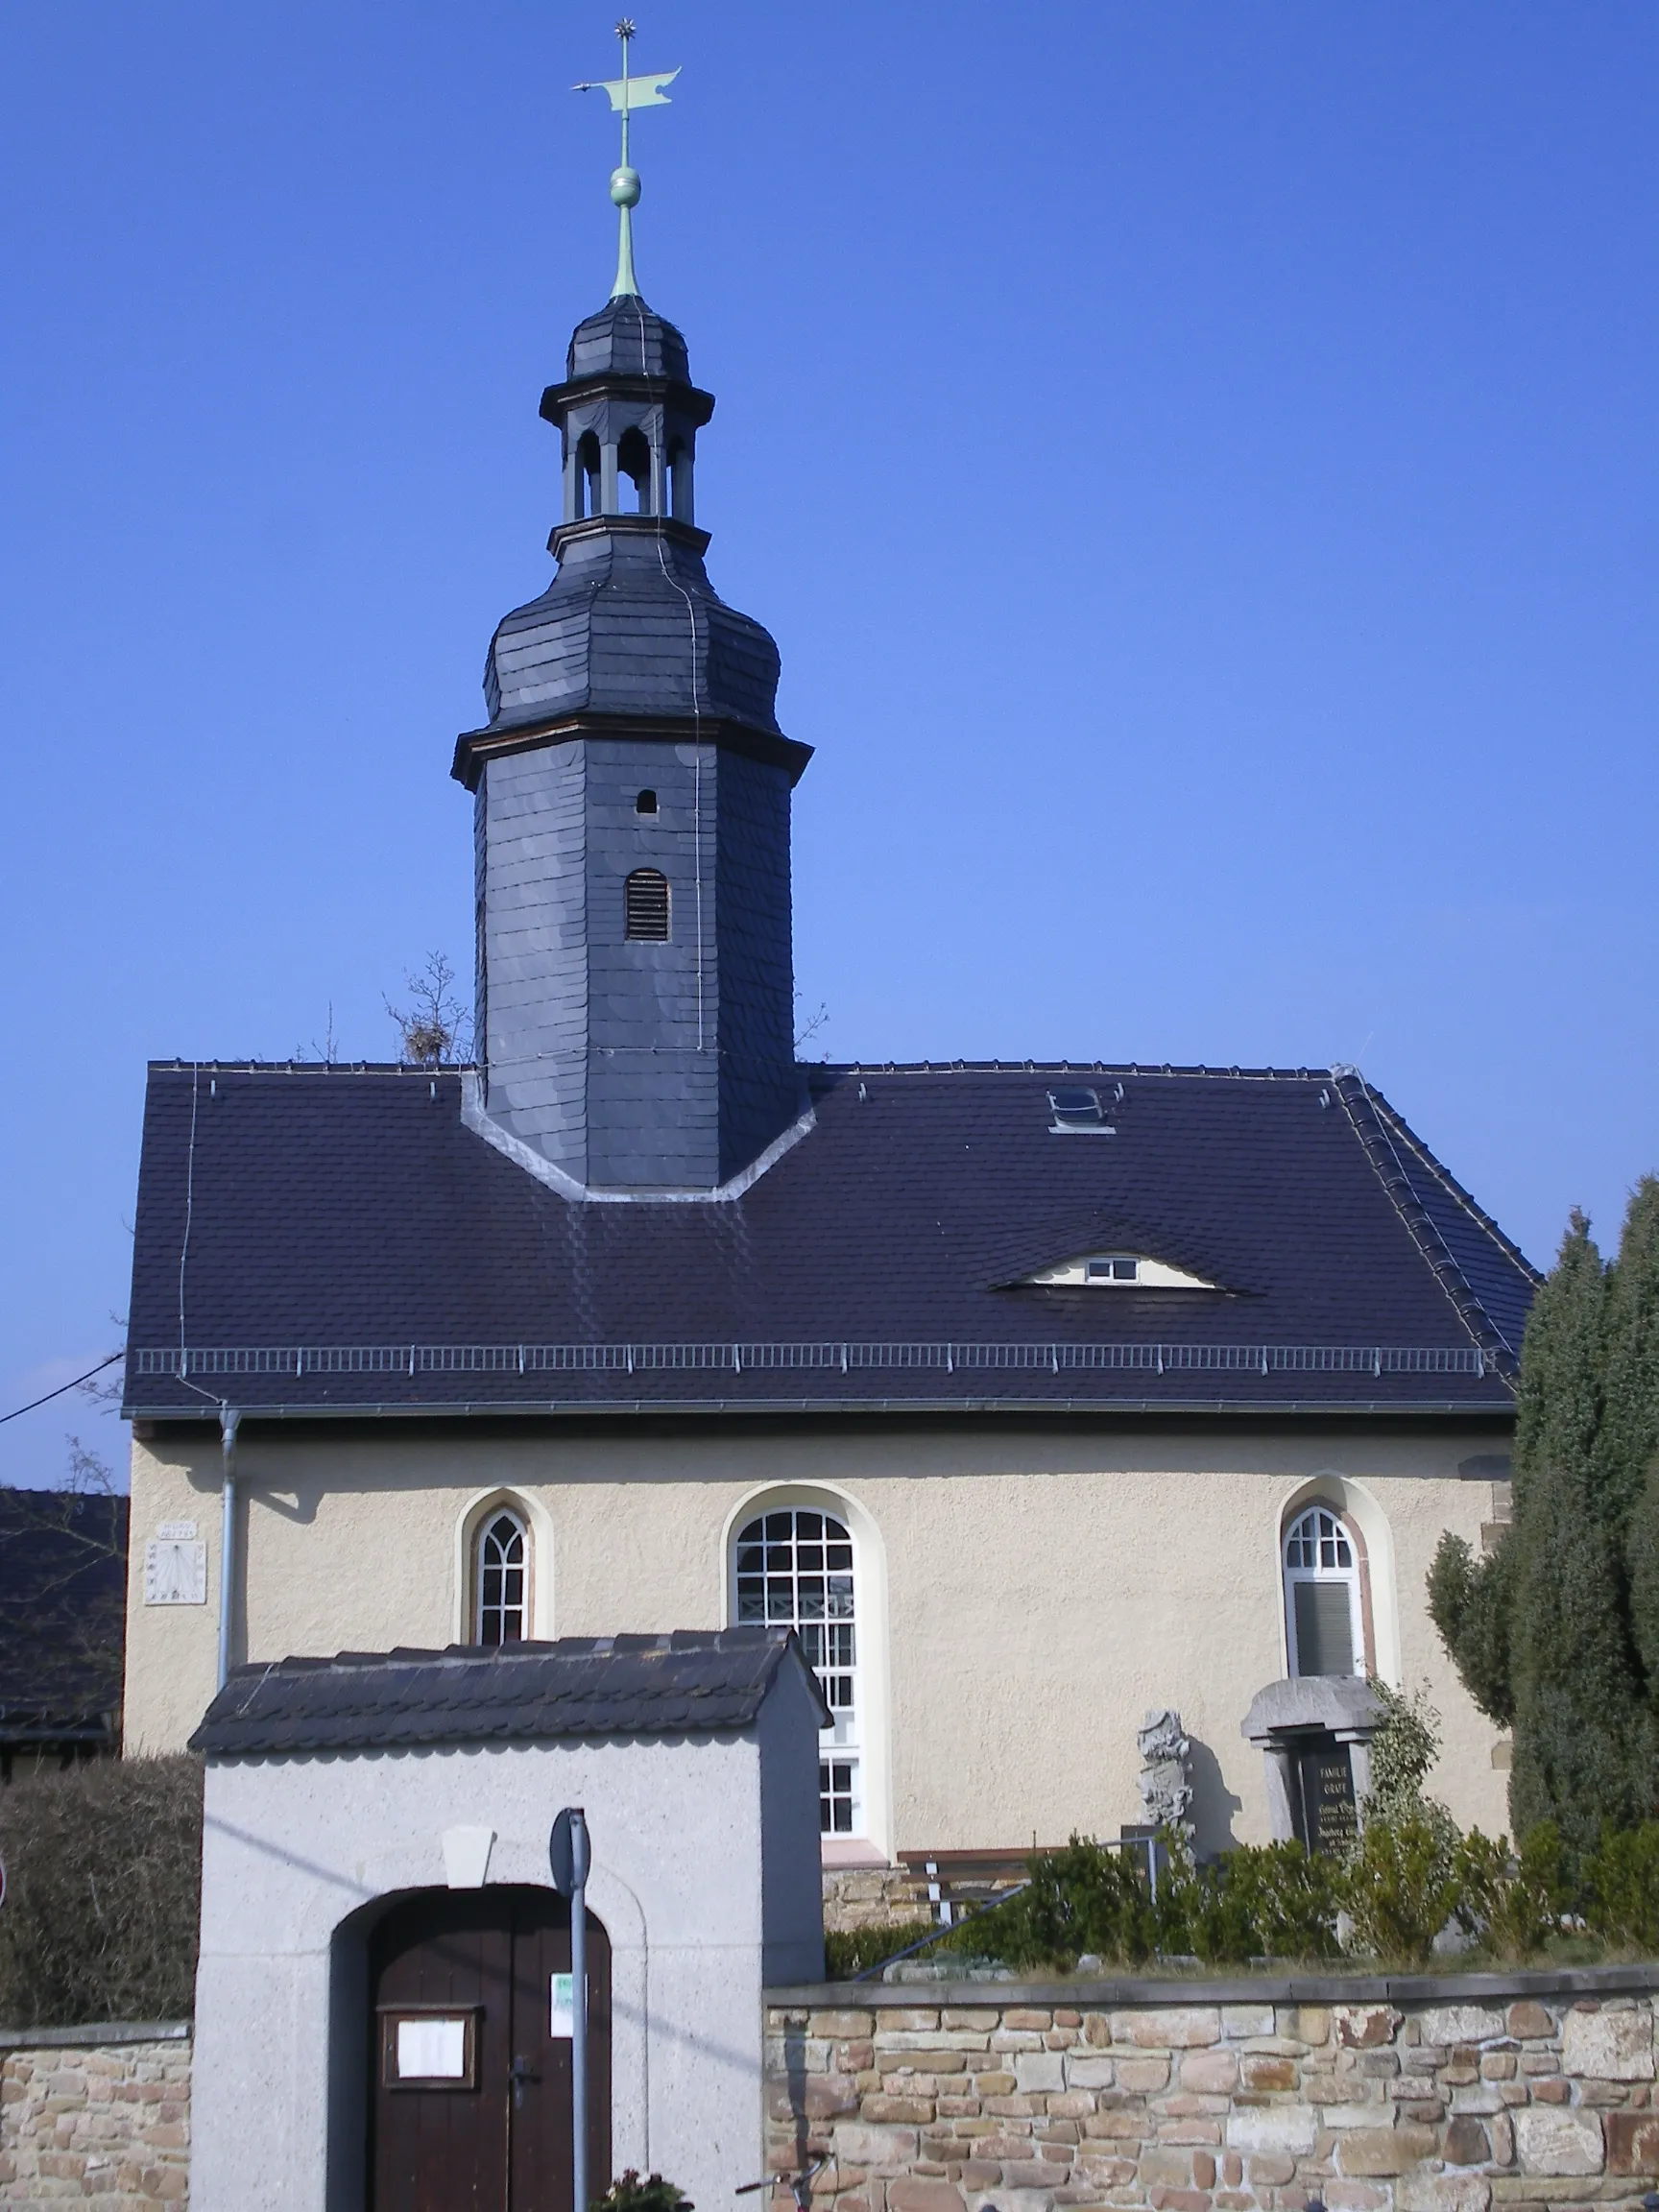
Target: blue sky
point(1199, 462)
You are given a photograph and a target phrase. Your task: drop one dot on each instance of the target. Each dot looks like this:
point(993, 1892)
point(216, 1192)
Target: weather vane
point(626, 94)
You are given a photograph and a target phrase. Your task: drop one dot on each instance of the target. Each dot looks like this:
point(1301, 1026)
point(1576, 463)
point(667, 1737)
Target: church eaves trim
point(475, 748)
point(482, 1123)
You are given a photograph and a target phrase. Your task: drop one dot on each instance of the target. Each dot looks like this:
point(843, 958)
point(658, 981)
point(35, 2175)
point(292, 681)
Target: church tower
point(634, 982)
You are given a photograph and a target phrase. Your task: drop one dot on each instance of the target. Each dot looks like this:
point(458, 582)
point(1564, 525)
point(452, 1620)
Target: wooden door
point(470, 2102)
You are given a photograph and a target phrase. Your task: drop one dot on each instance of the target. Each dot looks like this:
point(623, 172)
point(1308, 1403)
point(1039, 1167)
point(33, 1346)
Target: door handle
point(518, 2074)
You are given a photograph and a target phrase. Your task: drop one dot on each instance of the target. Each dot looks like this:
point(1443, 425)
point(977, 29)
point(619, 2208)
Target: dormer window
point(1078, 1113)
point(1119, 1271)
point(646, 802)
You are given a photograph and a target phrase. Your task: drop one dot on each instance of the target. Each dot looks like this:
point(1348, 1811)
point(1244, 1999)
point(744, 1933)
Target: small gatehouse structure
point(382, 2019)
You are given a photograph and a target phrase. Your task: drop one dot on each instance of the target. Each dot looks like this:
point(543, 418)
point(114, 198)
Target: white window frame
point(1322, 1526)
point(791, 1559)
point(483, 1535)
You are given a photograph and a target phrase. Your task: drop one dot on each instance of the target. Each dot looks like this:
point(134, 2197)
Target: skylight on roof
point(1078, 1113)
point(1119, 1271)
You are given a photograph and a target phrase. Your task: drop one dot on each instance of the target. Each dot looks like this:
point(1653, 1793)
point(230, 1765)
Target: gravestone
point(1325, 1778)
point(1165, 1775)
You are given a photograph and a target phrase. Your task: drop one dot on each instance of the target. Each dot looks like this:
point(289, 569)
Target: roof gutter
point(586, 1408)
point(230, 1420)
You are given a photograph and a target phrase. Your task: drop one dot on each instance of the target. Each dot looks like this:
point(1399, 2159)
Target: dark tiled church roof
point(695, 1681)
point(345, 1243)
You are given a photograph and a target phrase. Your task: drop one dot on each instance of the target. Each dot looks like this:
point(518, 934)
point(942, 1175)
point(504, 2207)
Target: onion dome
point(630, 625)
point(626, 338)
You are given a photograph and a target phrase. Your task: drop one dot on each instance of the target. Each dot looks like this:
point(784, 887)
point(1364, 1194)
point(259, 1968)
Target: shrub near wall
point(985, 2097)
point(103, 1890)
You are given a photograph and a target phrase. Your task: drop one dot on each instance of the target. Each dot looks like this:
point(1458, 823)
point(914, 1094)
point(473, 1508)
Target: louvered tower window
point(1323, 1620)
point(645, 896)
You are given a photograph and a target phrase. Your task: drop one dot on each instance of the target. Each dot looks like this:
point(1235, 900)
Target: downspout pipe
point(230, 1420)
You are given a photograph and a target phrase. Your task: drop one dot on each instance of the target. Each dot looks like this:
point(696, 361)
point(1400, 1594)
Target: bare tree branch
point(435, 1030)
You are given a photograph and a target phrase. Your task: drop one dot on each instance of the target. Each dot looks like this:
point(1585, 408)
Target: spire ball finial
point(625, 188)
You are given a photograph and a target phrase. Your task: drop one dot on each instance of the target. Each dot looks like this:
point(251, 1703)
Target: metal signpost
point(570, 1854)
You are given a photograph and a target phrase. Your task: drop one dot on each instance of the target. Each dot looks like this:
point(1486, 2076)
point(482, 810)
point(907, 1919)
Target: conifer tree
point(1628, 1446)
point(1544, 1632)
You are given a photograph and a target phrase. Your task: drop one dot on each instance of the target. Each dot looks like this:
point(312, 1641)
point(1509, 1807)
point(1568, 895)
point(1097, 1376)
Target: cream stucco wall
point(1027, 1594)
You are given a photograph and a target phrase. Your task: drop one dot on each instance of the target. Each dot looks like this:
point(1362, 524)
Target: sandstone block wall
point(979, 2101)
point(106, 2121)
point(871, 1897)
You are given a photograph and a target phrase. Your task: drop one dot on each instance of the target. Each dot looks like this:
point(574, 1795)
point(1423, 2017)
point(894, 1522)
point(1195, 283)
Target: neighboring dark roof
point(63, 1615)
point(693, 1683)
point(630, 625)
point(353, 1247)
point(626, 338)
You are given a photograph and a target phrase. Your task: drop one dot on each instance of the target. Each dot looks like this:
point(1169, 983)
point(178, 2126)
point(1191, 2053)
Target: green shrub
point(1513, 1902)
point(1272, 1900)
point(851, 1951)
point(1086, 1899)
point(103, 1889)
point(629, 2193)
point(1623, 1880)
point(1200, 1915)
point(1290, 1896)
point(1400, 1885)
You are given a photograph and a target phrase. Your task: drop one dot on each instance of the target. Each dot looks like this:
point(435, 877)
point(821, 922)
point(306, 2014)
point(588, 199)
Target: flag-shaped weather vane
point(626, 94)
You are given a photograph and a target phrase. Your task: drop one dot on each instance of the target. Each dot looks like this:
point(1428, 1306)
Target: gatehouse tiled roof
point(334, 1240)
point(694, 1682)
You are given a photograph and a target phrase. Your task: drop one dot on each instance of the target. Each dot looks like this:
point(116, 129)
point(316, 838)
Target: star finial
point(626, 94)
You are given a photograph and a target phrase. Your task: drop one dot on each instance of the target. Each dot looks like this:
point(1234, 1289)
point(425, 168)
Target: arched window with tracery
point(501, 1578)
point(794, 1567)
point(1324, 1610)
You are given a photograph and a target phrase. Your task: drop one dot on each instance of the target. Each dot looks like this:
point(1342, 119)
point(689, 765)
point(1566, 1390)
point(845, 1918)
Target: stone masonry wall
point(83, 2119)
point(983, 2098)
point(872, 1897)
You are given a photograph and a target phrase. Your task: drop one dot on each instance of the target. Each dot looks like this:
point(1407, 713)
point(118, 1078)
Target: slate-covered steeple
point(635, 972)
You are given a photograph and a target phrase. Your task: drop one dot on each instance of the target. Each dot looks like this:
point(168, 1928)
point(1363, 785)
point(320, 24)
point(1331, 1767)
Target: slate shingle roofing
point(630, 625)
point(626, 338)
point(694, 1681)
point(330, 1241)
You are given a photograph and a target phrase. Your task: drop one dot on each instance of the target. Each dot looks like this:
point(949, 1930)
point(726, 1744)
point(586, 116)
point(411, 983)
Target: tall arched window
point(1323, 1620)
point(794, 1568)
point(501, 1579)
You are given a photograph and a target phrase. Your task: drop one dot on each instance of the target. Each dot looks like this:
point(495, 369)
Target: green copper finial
point(626, 94)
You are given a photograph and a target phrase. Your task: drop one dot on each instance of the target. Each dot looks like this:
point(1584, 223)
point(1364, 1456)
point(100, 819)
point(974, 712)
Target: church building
point(1036, 1397)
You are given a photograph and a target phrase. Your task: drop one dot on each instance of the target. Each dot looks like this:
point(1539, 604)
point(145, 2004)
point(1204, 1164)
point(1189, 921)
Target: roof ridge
point(1419, 1223)
point(1150, 1068)
point(302, 1067)
point(1466, 1199)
